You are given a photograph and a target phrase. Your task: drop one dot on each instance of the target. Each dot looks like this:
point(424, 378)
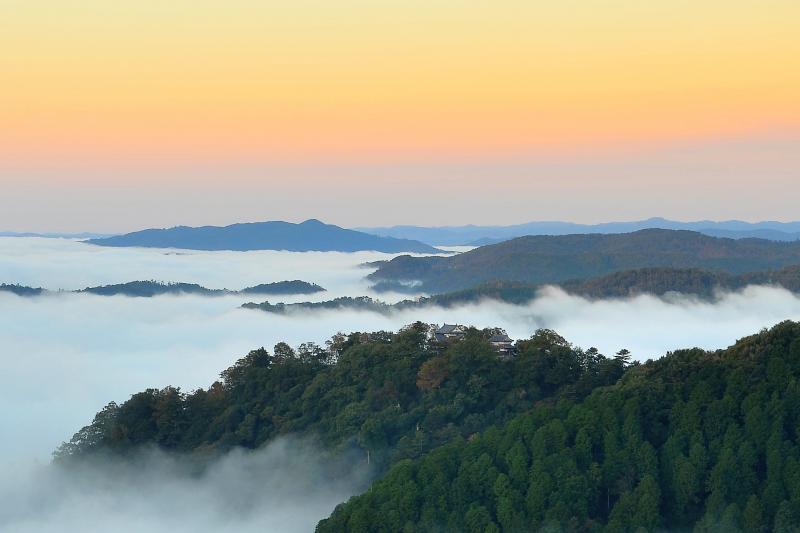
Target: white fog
point(65, 356)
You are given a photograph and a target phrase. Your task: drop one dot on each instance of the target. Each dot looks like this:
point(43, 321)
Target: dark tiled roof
point(500, 338)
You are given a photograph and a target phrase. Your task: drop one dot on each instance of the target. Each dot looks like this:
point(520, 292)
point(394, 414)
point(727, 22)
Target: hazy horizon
point(296, 220)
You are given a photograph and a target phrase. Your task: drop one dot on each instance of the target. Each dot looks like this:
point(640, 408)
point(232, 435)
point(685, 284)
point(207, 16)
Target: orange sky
point(93, 80)
point(91, 90)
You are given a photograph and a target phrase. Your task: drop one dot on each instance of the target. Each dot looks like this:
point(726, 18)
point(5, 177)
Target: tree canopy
point(696, 441)
point(554, 439)
point(394, 395)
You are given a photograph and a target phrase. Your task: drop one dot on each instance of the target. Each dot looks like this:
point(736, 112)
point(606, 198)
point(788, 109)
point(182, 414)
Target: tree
point(478, 519)
point(283, 352)
point(753, 516)
point(432, 373)
point(787, 519)
point(648, 496)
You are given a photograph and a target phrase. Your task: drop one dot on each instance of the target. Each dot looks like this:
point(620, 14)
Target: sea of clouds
point(287, 486)
point(64, 356)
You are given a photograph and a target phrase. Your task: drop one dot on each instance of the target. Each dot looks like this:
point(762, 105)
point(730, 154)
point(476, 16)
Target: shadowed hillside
point(646, 281)
point(556, 259)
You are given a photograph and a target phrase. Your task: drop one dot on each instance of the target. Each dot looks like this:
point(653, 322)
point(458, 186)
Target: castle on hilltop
point(455, 332)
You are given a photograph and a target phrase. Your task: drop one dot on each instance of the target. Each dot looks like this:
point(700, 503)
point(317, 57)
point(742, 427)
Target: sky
point(121, 115)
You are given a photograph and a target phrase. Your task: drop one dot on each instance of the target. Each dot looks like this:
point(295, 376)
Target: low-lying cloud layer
point(65, 356)
point(71, 265)
point(285, 487)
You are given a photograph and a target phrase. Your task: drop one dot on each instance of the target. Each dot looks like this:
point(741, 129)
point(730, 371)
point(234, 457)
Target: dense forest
point(703, 284)
point(555, 439)
point(696, 441)
point(696, 282)
point(394, 396)
point(654, 281)
point(556, 259)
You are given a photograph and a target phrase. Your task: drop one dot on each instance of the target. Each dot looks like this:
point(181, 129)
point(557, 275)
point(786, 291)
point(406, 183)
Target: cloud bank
point(71, 265)
point(286, 487)
point(65, 356)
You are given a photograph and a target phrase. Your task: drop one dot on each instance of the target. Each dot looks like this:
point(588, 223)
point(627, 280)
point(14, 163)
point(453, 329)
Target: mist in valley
point(286, 486)
point(65, 356)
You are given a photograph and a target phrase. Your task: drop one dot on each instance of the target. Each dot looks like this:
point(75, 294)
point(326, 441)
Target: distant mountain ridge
point(658, 282)
point(482, 235)
point(557, 259)
point(52, 235)
point(311, 235)
point(21, 290)
point(148, 289)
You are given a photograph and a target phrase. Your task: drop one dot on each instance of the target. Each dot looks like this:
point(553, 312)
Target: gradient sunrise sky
point(128, 114)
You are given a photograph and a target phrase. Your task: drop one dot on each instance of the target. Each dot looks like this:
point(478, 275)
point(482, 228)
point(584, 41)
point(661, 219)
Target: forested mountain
point(696, 282)
point(311, 235)
point(148, 289)
point(482, 235)
point(652, 281)
point(548, 259)
point(556, 439)
point(284, 287)
point(394, 396)
point(696, 441)
point(21, 290)
point(155, 288)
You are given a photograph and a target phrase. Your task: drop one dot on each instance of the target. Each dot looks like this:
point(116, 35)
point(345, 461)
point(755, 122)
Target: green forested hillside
point(653, 281)
point(556, 439)
point(656, 281)
point(555, 259)
point(393, 396)
point(696, 441)
point(659, 281)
